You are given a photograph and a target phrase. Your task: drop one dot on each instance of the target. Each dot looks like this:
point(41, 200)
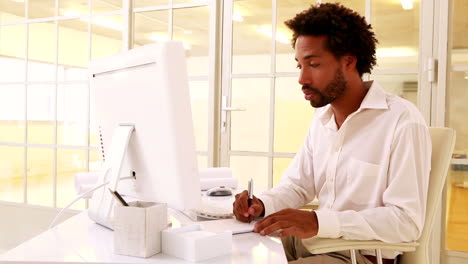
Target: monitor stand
point(102, 202)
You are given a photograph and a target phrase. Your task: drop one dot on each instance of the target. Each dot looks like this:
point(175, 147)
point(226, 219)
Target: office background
point(239, 55)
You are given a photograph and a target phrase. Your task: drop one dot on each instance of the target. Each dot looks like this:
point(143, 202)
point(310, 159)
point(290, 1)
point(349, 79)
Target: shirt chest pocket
point(361, 178)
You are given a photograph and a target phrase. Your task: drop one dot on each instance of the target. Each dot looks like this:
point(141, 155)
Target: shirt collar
point(374, 99)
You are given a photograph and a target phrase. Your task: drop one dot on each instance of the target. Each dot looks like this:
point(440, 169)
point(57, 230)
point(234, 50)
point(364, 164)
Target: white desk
point(80, 240)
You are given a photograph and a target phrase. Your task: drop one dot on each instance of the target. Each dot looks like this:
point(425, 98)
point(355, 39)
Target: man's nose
point(303, 78)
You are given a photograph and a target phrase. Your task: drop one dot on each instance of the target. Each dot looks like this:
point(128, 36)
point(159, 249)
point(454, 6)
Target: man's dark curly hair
point(347, 32)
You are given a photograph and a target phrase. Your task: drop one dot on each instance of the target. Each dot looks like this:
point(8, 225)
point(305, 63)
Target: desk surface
point(80, 240)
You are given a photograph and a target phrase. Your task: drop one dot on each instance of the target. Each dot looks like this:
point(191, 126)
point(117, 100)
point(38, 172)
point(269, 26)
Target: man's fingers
point(239, 214)
point(242, 203)
point(288, 231)
point(242, 218)
point(243, 211)
point(252, 210)
point(273, 217)
point(240, 206)
point(302, 224)
point(235, 210)
point(274, 227)
point(255, 210)
point(262, 224)
point(239, 209)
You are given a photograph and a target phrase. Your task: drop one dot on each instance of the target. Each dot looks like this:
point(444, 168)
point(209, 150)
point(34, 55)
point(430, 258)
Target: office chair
point(415, 252)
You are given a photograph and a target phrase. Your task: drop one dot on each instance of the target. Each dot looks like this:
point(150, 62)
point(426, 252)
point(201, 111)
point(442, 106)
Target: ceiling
point(394, 26)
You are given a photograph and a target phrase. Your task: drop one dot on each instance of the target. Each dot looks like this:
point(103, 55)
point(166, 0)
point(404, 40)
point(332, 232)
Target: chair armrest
point(324, 245)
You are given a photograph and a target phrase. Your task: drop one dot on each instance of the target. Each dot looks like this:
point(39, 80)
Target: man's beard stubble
point(333, 90)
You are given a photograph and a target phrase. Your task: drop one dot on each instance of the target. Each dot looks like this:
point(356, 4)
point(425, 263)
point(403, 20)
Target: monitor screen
point(147, 88)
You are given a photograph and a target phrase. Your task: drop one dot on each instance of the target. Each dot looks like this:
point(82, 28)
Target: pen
point(118, 197)
point(250, 190)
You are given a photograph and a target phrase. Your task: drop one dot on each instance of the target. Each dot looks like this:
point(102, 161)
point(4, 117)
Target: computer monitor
point(145, 89)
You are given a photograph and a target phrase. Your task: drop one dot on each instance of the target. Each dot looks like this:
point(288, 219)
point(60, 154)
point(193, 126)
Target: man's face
point(321, 73)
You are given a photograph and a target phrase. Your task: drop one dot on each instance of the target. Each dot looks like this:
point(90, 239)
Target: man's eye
point(314, 65)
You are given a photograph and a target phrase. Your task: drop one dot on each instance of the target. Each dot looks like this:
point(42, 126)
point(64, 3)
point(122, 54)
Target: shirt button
point(331, 180)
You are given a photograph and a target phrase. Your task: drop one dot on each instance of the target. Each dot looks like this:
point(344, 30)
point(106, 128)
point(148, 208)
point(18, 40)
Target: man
point(366, 155)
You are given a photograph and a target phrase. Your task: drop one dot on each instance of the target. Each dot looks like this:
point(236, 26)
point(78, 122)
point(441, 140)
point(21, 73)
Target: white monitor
point(147, 88)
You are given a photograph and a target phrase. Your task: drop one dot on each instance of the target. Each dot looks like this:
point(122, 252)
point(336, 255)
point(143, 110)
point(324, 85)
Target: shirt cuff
point(268, 204)
point(329, 224)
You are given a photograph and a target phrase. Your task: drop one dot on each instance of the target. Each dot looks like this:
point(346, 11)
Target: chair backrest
point(443, 142)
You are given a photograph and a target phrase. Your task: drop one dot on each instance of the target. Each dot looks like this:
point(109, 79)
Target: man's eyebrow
point(308, 57)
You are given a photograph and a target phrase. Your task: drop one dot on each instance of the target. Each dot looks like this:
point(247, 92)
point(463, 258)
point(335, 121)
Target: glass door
point(269, 117)
point(397, 29)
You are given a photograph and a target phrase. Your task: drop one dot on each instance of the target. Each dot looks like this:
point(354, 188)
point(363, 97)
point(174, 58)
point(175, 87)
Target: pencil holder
point(137, 228)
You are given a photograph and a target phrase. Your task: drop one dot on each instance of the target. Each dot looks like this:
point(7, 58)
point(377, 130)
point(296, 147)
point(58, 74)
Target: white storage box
point(137, 228)
point(192, 243)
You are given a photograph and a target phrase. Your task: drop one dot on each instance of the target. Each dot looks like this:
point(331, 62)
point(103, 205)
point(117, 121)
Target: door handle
point(225, 109)
point(233, 109)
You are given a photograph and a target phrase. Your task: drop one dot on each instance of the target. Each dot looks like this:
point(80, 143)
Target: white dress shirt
point(370, 176)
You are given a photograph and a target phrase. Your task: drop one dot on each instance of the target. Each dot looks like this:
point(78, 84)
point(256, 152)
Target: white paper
point(233, 225)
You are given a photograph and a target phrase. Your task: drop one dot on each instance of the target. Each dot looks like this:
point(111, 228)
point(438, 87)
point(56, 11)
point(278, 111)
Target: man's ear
point(349, 62)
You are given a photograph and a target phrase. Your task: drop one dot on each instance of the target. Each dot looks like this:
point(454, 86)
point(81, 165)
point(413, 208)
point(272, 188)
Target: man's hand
point(302, 224)
point(241, 209)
